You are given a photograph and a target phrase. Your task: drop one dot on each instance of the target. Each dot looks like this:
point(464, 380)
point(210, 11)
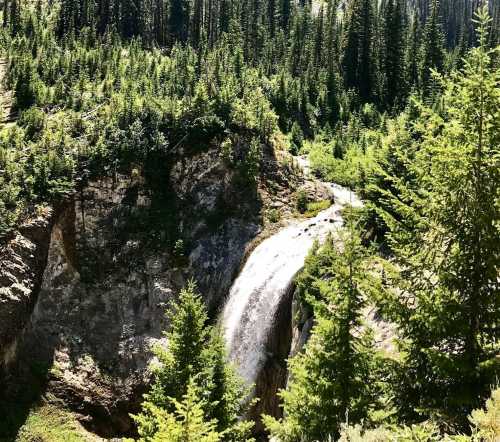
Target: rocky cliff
point(87, 287)
point(23, 258)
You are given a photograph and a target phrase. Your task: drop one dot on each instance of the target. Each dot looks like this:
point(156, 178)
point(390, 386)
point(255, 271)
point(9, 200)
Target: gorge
point(95, 302)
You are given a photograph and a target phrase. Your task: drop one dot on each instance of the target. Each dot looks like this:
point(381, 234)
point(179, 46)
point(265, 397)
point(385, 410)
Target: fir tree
point(186, 423)
point(358, 59)
point(330, 379)
point(447, 243)
point(394, 53)
point(179, 20)
point(195, 355)
point(432, 51)
point(412, 54)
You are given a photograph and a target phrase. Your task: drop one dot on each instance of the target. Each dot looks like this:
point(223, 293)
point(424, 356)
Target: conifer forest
point(250, 220)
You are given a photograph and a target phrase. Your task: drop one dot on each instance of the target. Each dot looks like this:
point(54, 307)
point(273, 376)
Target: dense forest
point(399, 100)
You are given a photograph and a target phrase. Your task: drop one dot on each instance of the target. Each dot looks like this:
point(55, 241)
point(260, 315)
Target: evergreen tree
point(183, 359)
point(319, 39)
point(330, 379)
point(14, 16)
point(412, 59)
point(432, 51)
point(195, 355)
point(286, 9)
point(226, 391)
point(447, 243)
point(358, 59)
point(394, 52)
point(186, 423)
point(179, 20)
point(197, 23)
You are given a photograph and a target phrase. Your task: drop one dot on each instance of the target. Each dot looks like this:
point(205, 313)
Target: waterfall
point(266, 277)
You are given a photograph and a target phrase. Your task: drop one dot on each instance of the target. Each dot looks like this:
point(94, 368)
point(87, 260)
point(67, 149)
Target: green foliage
point(296, 138)
point(251, 163)
point(314, 207)
point(485, 428)
point(273, 215)
point(432, 51)
point(348, 158)
point(427, 432)
point(334, 376)
point(137, 94)
point(486, 423)
point(186, 423)
point(122, 86)
point(301, 201)
point(47, 423)
point(193, 376)
point(447, 246)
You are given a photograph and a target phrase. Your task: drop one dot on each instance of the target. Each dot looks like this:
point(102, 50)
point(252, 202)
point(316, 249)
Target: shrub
point(316, 207)
point(273, 215)
point(301, 201)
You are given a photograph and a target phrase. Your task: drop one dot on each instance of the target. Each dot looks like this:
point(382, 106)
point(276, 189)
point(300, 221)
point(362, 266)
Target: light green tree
point(186, 423)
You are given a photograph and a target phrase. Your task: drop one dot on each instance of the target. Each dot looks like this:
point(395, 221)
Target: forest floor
point(49, 423)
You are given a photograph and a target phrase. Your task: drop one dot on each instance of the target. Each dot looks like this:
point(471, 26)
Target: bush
point(426, 432)
point(486, 423)
point(301, 201)
point(273, 215)
point(316, 207)
point(33, 120)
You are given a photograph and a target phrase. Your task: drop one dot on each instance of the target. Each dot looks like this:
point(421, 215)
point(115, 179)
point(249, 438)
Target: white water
point(265, 278)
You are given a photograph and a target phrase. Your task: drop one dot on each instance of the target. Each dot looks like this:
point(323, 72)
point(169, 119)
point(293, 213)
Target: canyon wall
point(100, 272)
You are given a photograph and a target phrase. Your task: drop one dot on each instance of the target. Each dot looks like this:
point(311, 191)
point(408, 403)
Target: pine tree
point(197, 23)
point(394, 53)
point(183, 359)
point(226, 392)
point(412, 59)
point(195, 355)
point(358, 59)
point(186, 423)
point(330, 379)
point(446, 238)
point(432, 51)
point(178, 20)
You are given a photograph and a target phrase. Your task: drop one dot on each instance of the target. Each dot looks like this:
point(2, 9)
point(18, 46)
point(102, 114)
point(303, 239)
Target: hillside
point(232, 221)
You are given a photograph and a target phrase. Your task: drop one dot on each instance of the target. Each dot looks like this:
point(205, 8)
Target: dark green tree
point(331, 378)
point(195, 353)
point(394, 63)
point(432, 51)
point(358, 62)
point(446, 238)
point(178, 20)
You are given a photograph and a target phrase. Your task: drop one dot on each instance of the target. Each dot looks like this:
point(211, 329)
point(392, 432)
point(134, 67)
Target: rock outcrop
point(111, 261)
point(22, 261)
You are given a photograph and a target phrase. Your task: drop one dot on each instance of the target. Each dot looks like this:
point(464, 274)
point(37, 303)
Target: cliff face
point(102, 275)
point(22, 260)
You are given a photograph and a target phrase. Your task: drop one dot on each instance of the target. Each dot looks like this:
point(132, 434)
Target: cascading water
point(266, 277)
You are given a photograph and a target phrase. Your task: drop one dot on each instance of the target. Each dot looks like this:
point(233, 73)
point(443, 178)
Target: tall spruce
point(412, 55)
point(394, 63)
point(331, 377)
point(432, 51)
point(447, 243)
point(358, 62)
point(195, 359)
point(178, 20)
